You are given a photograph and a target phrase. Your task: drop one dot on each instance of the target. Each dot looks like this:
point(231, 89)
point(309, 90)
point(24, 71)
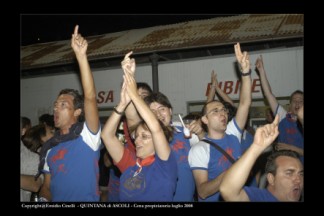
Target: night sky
point(46, 28)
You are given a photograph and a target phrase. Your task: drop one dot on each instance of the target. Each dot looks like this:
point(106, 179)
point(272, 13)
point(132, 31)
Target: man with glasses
point(207, 163)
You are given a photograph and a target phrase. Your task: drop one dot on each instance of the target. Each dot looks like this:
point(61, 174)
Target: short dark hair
point(231, 110)
point(271, 166)
point(192, 116)
point(296, 92)
point(47, 119)
point(77, 100)
point(144, 85)
point(32, 138)
point(159, 98)
point(25, 122)
point(204, 109)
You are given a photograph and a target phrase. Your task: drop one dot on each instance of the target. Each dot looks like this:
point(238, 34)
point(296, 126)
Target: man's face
point(162, 112)
point(289, 179)
point(297, 101)
point(64, 112)
point(216, 117)
point(143, 92)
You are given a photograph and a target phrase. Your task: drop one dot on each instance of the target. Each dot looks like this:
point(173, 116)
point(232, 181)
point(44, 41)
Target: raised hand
point(259, 64)
point(131, 86)
point(124, 97)
point(128, 64)
point(214, 79)
point(242, 58)
point(78, 43)
point(266, 134)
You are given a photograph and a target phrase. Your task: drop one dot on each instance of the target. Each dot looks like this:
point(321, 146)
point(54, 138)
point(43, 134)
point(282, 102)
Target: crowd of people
point(141, 154)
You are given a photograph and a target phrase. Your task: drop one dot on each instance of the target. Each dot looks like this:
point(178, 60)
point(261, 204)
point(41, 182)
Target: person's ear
point(204, 119)
point(77, 112)
point(271, 178)
point(23, 131)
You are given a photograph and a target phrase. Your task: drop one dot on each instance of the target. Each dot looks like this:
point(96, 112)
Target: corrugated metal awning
point(201, 33)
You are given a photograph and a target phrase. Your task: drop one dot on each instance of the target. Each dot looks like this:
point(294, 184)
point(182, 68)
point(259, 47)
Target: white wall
point(38, 94)
point(187, 81)
point(182, 82)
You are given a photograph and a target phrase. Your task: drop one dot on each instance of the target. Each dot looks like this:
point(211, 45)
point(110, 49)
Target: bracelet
point(116, 111)
point(246, 74)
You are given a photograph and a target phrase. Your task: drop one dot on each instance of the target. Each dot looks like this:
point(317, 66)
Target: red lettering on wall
point(101, 95)
point(228, 87)
point(110, 96)
point(208, 89)
point(256, 83)
point(104, 96)
point(237, 86)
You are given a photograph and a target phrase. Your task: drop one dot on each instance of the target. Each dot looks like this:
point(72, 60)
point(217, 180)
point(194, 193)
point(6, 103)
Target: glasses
point(144, 137)
point(218, 111)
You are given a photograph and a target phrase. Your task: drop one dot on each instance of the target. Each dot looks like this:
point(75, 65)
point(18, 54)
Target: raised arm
point(265, 84)
point(212, 90)
point(234, 179)
point(215, 88)
point(161, 144)
point(80, 45)
point(131, 114)
point(114, 146)
point(245, 93)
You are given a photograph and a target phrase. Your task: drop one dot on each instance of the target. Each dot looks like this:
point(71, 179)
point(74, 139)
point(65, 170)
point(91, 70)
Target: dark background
point(47, 28)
